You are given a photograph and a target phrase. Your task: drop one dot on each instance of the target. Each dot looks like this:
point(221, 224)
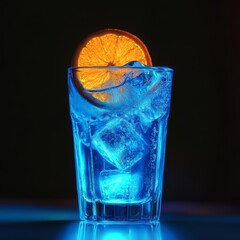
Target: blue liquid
point(120, 151)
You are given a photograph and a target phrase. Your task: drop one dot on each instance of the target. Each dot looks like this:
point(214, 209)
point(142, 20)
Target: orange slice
point(107, 47)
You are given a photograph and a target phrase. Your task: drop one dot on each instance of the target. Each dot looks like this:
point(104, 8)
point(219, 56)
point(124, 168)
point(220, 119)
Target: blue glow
point(117, 231)
point(123, 186)
point(114, 235)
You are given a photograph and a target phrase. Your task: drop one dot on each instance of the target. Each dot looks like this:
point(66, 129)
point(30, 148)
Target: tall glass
point(119, 132)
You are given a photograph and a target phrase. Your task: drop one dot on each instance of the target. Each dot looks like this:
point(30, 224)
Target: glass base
point(97, 211)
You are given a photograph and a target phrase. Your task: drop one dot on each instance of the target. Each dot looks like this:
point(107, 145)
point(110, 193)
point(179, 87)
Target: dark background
point(200, 40)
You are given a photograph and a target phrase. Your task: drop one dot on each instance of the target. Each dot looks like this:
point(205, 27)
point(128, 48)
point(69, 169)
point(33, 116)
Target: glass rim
point(155, 68)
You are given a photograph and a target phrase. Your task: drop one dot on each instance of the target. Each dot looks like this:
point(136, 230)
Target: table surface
point(28, 220)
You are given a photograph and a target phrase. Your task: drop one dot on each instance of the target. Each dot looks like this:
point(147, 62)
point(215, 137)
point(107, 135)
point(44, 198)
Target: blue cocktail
point(119, 132)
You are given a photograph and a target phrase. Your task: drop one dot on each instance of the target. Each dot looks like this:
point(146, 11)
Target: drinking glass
point(119, 134)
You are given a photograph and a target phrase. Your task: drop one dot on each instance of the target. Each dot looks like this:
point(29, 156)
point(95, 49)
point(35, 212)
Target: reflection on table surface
point(179, 229)
point(114, 231)
point(179, 222)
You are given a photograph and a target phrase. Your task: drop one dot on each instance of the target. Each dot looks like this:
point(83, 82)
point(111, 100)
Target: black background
point(200, 40)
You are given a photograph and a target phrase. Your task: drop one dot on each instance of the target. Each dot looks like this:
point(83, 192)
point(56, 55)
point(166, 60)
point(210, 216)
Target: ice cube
point(119, 143)
point(140, 82)
point(160, 100)
point(136, 81)
point(119, 186)
point(141, 124)
point(157, 101)
point(137, 77)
